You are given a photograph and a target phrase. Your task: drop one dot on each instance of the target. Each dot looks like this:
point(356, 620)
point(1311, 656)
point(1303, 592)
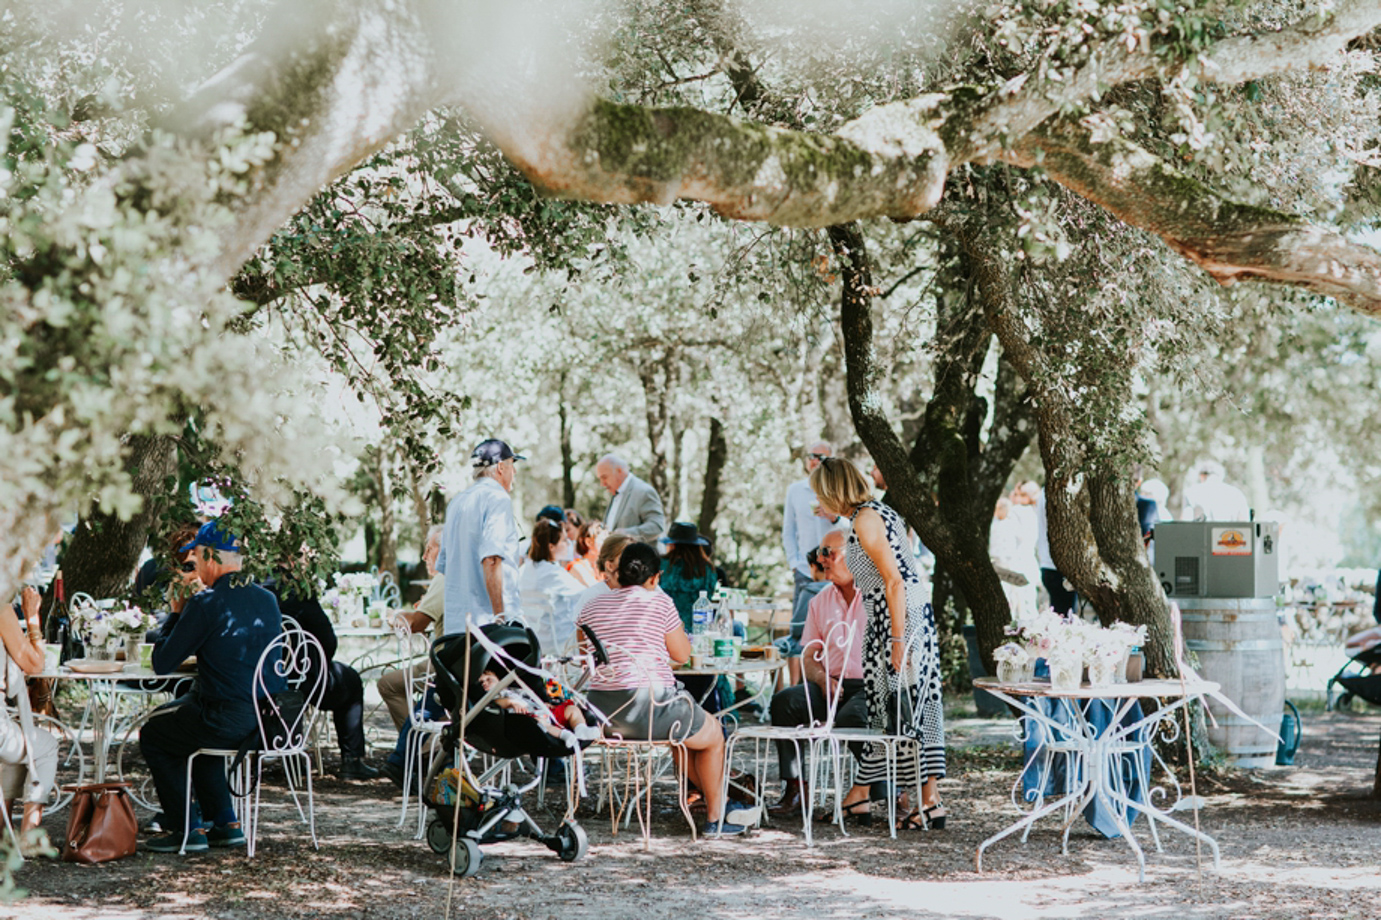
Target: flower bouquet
point(1014, 663)
point(346, 601)
point(1070, 645)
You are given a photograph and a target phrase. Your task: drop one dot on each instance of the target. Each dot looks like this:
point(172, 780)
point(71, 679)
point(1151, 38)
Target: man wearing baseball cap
point(227, 626)
point(479, 547)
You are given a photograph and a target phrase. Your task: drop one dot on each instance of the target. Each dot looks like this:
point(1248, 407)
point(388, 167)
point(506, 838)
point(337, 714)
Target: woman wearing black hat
point(687, 571)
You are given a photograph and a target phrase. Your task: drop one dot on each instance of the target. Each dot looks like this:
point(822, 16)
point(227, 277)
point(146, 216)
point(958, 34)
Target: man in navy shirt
point(227, 626)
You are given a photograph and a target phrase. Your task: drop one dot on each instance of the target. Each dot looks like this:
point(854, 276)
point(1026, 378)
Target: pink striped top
point(637, 621)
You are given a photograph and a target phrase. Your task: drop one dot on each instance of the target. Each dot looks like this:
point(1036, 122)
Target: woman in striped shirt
point(642, 635)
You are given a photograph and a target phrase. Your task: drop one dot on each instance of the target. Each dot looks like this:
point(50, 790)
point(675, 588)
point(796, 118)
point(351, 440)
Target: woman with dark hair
point(686, 569)
point(639, 628)
point(584, 568)
point(548, 591)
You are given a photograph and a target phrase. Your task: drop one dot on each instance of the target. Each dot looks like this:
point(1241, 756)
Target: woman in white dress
point(24, 652)
point(549, 592)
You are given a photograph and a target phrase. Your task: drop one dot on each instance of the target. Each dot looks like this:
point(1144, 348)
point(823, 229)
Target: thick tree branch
point(1231, 241)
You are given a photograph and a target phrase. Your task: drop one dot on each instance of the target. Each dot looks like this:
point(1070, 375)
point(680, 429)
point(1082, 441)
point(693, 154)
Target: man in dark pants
point(796, 705)
point(227, 626)
point(344, 694)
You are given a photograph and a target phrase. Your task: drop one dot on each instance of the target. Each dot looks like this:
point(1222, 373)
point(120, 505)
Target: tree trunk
point(715, 458)
point(1095, 540)
point(567, 454)
point(930, 487)
point(677, 474)
point(655, 374)
point(420, 510)
point(388, 527)
point(101, 557)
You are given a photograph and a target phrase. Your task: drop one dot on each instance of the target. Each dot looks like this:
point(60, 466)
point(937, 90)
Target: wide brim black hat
point(684, 532)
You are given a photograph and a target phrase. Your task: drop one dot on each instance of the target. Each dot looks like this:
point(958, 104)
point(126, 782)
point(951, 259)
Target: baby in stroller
point(558, 713)
point(500, 706)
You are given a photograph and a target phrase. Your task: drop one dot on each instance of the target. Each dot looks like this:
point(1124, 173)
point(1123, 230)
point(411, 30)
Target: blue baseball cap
point(211, 534)
point(491, 453)
point(552, 513)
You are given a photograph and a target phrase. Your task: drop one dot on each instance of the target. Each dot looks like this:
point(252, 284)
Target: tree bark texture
point(567, 453)
point(388, 525)
point(1095, 540)
point(716, 456)
point(104, 550)
point(655, 374)
point(933, 495)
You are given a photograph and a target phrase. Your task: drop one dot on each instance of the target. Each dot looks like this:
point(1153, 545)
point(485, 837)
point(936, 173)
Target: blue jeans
point(170, 736)
point(431, 710)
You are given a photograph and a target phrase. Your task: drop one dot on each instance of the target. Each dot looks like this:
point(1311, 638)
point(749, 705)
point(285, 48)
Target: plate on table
point(95, 665)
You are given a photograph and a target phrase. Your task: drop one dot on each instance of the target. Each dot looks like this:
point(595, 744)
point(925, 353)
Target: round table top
point(128, 672)
point(1141, 689)
point(742, 666)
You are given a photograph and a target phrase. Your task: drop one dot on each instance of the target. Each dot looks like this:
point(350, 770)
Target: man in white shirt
point(1212, 499)
point(635, 508)
point(804, 526)
point(479, 547)
point(839, 601)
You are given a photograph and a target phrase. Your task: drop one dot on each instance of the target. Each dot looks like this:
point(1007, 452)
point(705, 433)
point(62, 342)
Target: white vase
point(1009, 672)
point(1101, 671)
point(1066, 673)
point(1119, 674)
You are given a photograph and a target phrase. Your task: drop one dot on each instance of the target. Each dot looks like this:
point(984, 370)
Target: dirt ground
point(1296, 842)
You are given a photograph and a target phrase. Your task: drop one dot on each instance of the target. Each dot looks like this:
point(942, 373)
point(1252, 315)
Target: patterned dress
point(921, 683)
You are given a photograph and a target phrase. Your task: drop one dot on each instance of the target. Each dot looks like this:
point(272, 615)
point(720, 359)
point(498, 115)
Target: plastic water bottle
point(702, 612)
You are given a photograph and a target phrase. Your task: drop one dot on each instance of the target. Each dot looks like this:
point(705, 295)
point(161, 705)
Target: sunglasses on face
point(821, 457)
point(189, 566)
point(825, 552)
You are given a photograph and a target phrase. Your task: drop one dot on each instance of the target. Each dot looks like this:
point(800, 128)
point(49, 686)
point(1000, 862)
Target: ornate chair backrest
point(832, 651)
point(386, 591)
point(620, 664)
point(298, 658)
point(290, 623)
point(415, 645)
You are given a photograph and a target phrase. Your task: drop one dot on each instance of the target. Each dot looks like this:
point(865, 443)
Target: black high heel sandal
point(852, 812)
point(932, 821)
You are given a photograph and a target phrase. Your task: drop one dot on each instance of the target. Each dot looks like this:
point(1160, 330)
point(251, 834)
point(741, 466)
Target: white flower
point(1011, 653)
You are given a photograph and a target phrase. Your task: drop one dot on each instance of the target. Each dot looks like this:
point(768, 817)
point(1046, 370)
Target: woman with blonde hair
point(897, 616)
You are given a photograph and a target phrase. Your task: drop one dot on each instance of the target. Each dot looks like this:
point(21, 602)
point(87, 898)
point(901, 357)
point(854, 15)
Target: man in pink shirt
point(838, 602)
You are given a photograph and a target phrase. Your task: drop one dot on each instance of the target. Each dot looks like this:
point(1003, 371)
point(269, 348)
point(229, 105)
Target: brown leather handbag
point(101, 825)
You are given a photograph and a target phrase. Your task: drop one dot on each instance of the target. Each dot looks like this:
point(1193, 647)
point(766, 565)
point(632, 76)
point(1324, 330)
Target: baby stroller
point(470, 809)
point(1358, 679)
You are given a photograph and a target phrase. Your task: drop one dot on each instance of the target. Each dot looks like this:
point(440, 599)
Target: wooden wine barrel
point(1239, 646)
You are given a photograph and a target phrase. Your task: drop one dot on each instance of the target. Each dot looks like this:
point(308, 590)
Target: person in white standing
point(634, 506)
point(1211, 498)
point(479, 547)
point(804, 525)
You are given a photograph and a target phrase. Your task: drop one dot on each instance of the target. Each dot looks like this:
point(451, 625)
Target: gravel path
point(1296, 842)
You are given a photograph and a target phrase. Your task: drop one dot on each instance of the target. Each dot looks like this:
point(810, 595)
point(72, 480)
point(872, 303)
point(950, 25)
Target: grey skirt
point(632, 714)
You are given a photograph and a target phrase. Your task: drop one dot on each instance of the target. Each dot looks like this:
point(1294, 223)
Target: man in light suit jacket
point(635, 508)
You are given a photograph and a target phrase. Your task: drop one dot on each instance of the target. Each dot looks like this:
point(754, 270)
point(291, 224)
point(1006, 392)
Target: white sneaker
point(744, 815)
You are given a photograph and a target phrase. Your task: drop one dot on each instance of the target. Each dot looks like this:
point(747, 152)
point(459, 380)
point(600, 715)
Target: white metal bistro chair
point(895, 743)
point(422, 730)
point(643, 761)
point(298, 658)
point(832, 651)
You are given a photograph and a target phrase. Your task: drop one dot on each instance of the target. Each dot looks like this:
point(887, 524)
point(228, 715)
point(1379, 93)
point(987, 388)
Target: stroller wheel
point(466, 857)
point(571, 842)
point(438, 836)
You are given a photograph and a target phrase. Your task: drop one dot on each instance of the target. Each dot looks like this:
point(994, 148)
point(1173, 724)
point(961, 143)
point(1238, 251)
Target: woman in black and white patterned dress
point(897, 616)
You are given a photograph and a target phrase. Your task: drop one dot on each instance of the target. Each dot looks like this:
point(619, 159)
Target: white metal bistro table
point(765, 668)
point(1093, 771)
point(104, 687)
